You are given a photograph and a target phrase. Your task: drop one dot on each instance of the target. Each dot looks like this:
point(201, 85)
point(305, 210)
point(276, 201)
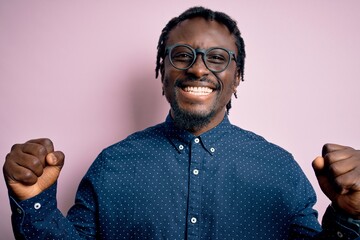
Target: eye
point(182, 56)
point(216, 58)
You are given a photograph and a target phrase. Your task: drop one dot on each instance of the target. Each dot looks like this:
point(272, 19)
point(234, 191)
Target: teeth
point(198, 90)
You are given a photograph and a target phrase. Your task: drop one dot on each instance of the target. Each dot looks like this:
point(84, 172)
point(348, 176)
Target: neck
point(197, 125)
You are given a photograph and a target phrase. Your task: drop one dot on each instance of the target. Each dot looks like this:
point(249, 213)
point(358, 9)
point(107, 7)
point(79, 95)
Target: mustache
point(181, 82)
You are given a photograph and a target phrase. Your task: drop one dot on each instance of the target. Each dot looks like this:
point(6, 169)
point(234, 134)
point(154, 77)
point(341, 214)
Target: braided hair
point(208, 15)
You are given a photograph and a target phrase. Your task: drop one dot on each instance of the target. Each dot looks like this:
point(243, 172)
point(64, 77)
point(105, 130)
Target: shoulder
point(246, 139)
point(122, 156)
point(147, 137)
point(267, 162)
point(257, 152)
point(137, 146)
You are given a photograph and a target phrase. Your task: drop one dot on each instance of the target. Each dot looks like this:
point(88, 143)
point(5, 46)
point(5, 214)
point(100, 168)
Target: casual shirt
point(166, 183)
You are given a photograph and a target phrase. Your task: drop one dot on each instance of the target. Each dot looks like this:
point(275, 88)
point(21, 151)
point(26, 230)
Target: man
point(195, 176)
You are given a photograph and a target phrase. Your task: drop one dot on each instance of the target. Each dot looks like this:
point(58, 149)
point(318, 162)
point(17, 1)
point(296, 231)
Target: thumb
point(55, 158)
point(322, 176)
point(319, 166)
point(55, 162)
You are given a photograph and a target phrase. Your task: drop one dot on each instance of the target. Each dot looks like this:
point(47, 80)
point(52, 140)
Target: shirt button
point(195, 172)
point(181, 147)
point(37, 206)
point(193, 220)
point(212, 150)
point(339, 234)
point(196, 140)
point(19, 210)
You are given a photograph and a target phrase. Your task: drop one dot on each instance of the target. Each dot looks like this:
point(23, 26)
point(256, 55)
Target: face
point(197, 96)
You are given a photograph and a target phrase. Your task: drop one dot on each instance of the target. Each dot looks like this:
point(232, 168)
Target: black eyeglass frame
point(199, 51)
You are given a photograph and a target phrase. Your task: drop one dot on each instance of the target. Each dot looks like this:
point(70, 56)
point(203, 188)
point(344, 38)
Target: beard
point(191, 121)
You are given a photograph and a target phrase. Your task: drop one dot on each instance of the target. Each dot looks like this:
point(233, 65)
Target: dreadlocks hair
point(208, 15)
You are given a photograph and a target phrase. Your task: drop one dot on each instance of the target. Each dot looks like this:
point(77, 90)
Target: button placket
point(197, 153)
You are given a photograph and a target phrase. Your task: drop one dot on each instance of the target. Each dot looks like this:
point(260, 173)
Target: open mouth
point(198, 91)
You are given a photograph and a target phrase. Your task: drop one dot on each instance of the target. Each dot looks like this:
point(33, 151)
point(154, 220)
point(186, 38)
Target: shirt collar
point(211, 140)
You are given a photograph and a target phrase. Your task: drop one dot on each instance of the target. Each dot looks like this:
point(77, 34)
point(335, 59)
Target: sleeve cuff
point(342, 226)
point(33, 209)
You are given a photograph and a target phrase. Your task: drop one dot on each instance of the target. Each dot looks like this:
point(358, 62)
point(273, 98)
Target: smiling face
point(197, 96)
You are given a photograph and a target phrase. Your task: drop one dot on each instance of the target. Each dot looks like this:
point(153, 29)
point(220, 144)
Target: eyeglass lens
point(183, 57)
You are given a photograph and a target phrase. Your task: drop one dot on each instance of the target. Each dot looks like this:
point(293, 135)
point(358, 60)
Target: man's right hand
point(32, 167)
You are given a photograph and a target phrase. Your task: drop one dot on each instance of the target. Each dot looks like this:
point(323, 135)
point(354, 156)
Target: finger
point(331, 147)
point(348, 182)
point(330, 170)
point(34, 149)
point(340, 167)
point(56, 158)
point(21, 159)
point(39, 147)
point(13, 172)
point(339, 155)
point(45, 142)
point(321, 174)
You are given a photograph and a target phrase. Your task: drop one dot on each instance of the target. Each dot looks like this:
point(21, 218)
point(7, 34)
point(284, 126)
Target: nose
point(199, 68)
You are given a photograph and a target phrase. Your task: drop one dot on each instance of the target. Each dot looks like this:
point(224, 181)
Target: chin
point(191, 119)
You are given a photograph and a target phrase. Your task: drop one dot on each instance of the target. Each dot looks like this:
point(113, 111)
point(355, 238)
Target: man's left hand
point(338, 174)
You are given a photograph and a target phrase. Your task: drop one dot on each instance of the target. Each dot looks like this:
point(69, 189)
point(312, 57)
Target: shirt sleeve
point(334, 227)
point(304, 222)
point(337, 226)
point(39, 218)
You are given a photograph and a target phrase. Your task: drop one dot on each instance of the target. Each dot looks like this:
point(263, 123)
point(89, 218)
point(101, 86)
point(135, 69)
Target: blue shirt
point(165, 183)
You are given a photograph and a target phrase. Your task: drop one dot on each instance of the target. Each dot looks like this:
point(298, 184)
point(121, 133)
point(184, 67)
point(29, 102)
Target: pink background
point(82, 73)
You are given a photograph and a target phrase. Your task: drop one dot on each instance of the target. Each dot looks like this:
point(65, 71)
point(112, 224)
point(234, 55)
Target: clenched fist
point(32, 167)
point(338, 174)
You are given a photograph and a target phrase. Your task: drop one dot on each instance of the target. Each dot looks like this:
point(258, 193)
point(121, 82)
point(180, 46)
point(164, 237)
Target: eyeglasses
point(183, 56)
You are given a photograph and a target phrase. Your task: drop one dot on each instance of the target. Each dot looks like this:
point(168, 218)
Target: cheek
point(228, 82)
point(170, 76)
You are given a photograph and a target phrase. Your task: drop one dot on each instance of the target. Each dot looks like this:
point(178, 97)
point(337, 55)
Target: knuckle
point(329, 157)
point(28, 177)
point(10, 158)
point(47, 142)
point(35, 162)
point(327, 145)
point(334, 169)
point(15, 146)
point(41, 151)
point(6, 166)
point(325, 148)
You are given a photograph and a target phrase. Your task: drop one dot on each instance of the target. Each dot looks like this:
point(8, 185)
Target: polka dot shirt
point(165, 183)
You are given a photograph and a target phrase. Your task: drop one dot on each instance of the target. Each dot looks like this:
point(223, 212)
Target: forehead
point(201, 33)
